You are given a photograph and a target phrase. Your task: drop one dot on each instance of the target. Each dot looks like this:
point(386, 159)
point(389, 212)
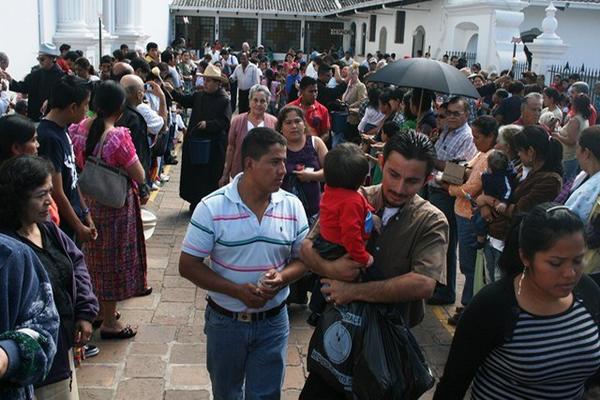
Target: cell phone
point(148, 87)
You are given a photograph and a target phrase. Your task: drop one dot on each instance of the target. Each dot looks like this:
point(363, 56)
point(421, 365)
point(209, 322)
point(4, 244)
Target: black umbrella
point(423, 73)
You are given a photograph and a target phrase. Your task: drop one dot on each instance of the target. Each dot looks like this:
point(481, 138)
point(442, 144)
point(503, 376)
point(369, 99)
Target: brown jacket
point(539, 187)
point(414, 240)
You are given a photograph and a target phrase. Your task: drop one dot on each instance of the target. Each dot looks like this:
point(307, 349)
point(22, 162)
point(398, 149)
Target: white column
point(125, 17)
point(108, 15)
point(548, 49)
point(71, 18)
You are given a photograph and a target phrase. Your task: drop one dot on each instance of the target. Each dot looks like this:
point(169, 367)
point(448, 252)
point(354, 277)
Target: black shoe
point(90, 350)
point(313, 319)
point(436, 301)
point(171, 161)
point(453, 320)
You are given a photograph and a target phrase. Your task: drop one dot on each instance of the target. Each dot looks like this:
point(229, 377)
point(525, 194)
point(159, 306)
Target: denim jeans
point(570, 169)
point(492, 255)
point(246, 360)
point(467, 254)
point(445, 203)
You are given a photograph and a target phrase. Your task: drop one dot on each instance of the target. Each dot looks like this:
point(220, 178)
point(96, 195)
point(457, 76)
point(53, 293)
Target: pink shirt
point(237, 132)
point(118, 150)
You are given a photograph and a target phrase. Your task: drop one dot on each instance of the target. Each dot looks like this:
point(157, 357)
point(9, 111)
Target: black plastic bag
point(391, 364)
point(365, 351)
point(336, 343)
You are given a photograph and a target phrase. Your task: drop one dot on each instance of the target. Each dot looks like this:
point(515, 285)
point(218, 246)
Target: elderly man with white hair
point(575, 90)
point(136, 123)
point(531, 109)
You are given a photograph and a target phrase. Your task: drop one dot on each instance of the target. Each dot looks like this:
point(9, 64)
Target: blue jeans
point(492, 256)
point(445, 203)
point(337, 138)
point(479, 224)
point(467, 253)
point(570, 169)
point(246, 360)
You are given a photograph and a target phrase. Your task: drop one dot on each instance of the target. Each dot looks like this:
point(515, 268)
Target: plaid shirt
point(455, 145)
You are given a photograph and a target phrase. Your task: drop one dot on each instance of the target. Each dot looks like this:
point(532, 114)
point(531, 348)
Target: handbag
point(106, 184)
point(160, 146)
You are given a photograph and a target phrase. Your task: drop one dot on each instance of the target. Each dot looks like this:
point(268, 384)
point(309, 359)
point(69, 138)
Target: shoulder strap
point(101, 143)
point(589, 293)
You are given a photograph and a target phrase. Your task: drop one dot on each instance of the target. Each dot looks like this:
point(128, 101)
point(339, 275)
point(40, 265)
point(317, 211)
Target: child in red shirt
point(345, 218)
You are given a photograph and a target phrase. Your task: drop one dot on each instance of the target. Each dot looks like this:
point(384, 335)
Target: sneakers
point(164, 178)
point(155, 186)
point(90, 350)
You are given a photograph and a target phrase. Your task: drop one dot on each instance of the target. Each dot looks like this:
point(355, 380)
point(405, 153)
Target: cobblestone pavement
point(166, 360)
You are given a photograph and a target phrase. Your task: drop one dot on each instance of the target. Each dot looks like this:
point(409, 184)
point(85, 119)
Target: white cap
point(49, 49)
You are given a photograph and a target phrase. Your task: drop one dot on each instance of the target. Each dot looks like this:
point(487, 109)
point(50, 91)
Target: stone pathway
point(166, 360)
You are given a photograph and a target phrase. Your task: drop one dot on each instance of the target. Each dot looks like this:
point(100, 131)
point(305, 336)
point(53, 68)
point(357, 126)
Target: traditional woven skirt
point(117, 259)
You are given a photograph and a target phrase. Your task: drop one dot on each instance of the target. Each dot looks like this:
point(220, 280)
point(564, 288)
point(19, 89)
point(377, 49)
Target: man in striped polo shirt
point(252, 231)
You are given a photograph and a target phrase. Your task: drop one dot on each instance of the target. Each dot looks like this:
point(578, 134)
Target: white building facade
point(482, 27)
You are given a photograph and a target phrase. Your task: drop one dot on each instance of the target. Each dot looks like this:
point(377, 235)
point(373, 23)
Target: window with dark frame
point(400, 25)
point(279, 35)
point(372, 27)
point(235, 31)
point(198, 31)
point(318, 36)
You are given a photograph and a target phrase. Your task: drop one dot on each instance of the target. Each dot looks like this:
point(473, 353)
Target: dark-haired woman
point(18, 137)
point(117, 259)
point(541, 158)
point(25, 197)
point(533, 334)
point(569, 134)
point(485, 131)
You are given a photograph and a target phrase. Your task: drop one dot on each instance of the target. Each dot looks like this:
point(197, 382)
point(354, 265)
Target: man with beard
point(409, 253)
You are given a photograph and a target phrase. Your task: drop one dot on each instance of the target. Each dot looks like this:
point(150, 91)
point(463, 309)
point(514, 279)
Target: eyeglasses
point(42, 58)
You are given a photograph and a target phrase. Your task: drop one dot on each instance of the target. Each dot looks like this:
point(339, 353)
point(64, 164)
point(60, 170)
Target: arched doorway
point(472, 44)
point(353, 38)
point(363, 39)
point(383, 40)
point(418, 46)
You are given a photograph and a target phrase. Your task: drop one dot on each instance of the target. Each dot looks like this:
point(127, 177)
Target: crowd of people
point(302, 175)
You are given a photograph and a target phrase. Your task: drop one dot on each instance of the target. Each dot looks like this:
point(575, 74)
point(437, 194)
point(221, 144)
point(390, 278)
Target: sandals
point(125, 333)
point(98, 323)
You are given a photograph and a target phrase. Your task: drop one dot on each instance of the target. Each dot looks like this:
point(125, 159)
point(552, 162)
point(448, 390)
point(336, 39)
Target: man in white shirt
point(246, 75)
point(230, 62)
point(252, 232)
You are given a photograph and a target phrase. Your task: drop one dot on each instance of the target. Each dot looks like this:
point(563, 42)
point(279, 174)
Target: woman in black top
point(533, 334)
point(25, 196)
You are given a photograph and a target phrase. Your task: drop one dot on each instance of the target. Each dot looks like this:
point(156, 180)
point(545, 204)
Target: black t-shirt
point(56, 146)
point(510, 109)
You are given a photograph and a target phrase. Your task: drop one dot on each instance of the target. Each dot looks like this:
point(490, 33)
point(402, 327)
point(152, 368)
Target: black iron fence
point(519, 68)
point(591, 76)
point(470, 57)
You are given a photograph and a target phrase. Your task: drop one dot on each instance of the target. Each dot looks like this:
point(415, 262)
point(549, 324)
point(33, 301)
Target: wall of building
point(20, 35)
point(427, 14)
point(155, 21)
point(577, 28)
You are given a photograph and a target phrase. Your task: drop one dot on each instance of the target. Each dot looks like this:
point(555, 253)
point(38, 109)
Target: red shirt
point(342, 221)
point(317, 117)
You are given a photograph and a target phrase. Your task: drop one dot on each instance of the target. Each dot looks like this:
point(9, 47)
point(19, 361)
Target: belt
point(245, 316)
